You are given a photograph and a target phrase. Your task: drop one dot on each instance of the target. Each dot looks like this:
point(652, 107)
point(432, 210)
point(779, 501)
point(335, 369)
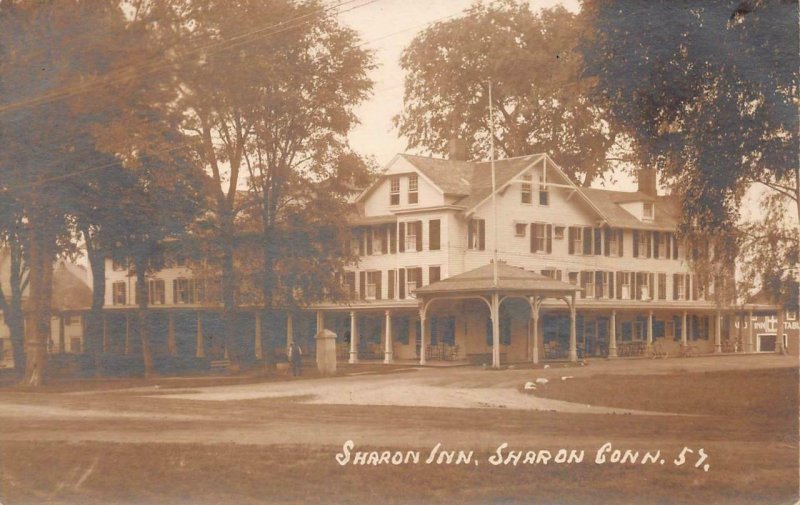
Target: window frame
point(526, 190)
point(394, 191)
point(544, 193)
point(648, 216)
point(115, 299)
point(413, 189)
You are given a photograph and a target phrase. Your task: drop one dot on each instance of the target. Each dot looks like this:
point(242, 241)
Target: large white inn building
point(582, 272)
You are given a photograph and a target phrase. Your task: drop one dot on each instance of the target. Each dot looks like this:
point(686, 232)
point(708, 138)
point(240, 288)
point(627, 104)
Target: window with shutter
point(392, 239)
point(598, 242)
point(662, 286)
point(656, 244)
point(635, 243)
point(435, 234)
point(362, 285)
point(402, 237)
point(587, 241)
point(538, 239)
point(401, 283)
point(418, 226)
point(390, 294)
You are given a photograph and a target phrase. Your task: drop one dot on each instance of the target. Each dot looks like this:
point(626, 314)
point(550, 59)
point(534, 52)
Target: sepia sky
point(387, 27)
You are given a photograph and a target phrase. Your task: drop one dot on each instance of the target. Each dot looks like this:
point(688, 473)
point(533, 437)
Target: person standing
point(295, 358)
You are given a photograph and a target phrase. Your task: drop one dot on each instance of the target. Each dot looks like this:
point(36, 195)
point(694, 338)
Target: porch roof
point(509, 279)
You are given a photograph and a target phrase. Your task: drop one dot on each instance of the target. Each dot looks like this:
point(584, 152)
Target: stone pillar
point(718, 332)
point(535, 323)
point(573, 339)
point(495, 330)
point(650, 331)
point(612, 335)
point(106, 343)
point(259, 345)
point(422, 345)
point(199, 344)
point(326, 352)
point(320, 321)
point(751, 341)
point(685, 329)
point(353, 337)
point(388, 348)
point(62, 345)
point(172, 347)
point(127, 333)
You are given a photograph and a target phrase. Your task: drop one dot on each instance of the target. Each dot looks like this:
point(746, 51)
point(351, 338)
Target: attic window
point(647, 210)
point(526, 190)
point(544, 195)
point(413, 189)
point(394, 191)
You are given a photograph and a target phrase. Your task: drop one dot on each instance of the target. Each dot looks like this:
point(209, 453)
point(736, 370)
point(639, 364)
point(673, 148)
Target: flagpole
point(494, 189)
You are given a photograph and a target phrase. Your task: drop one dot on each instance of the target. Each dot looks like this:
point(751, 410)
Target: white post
point(685, 329)
point(650, 330)
point(127, 349)
point(422, 358)
point(388, 352)
point(495, 330)
point(779, 331)
point(200, 347)
point(353, 337)
point(573, 339)
point(259, 345)
point(172, 347)
point(612, 335)
point(535, 323)
point(718, 333)
point(289, 330)
point(106, 343)
point(750, 333)
point(320, 321)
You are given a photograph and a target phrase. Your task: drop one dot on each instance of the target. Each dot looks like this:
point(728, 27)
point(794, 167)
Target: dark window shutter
point(649, 238)
point(668, 245)
point(587, 241)
point(418, 226)
point(482, 234)
point(401, 283)
point(174, 291)
point(435, 232)
point(620, 241)
point(360, 235)
point(369, 240)
point(635, 243)
point(607, 237)
point(470, 233)
point(362, 284)
point(611, 291)
point(571, 240)
point(379, 286)
point(619, 285)
point(652, 286)
point(418, 276)
point(598, 242)
point(549, 236)
point(674, 247)
point(390, 282)
point(533, 237)
point(434, 274)
point(687, 285)
point(401, 238)
point(384, 240)
point(392, 239)
point(656, 244)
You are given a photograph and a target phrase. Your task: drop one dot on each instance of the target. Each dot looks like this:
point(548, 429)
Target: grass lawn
point(746, 421)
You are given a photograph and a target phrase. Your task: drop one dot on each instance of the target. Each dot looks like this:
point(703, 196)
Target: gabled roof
point(510, 278)
point(70, 289)
point(609, 204)
point(452, 177)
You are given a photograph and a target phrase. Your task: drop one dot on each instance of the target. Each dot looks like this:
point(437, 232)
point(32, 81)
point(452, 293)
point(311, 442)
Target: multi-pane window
point(527, 189)
point(587, 283)
point(558, 232)
point(662, 286)
point(413, 236)
point(552, 273)
point(185, 290)
point(413, 189)
point(641, 243)
point(538, 237)
point(373, 284)
point(644, 285)
point(613, 243)
point(679, 287)
point(413, 279)
point(394, 191)
point(575, 240)
point(156, 292)
point(118, 266)
point(519, 229)
point(544, 194)
point(119, 291)
point(378, 240)
point(648, 210)
point(624, 285)
point(476, 234)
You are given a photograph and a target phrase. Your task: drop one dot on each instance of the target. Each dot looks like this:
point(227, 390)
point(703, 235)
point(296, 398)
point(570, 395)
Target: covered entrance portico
point(509, 283)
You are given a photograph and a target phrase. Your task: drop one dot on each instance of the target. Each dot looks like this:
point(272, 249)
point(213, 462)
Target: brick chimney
point(457, 149)
point(647, 181)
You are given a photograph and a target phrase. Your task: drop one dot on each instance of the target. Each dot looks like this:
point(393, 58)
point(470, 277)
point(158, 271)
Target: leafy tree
point(540, 100)
point(12, 237)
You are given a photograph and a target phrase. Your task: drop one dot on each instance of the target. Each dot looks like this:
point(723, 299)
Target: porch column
point(779, 331)
point(289, 330)
point(259, 345)
point(62, 345)
point(422, 358)
point(685, 329)
point(612, 335)
point(535, 323)
point(353, 337)
point(127, 349)
point(650, 330)
point(573, 340)
point(495, 330)
point(320, 321)
point(718, 333)
point(172, 347)
point(106, 346)
point(388, 352)
point(751, 341)
point(201, 349)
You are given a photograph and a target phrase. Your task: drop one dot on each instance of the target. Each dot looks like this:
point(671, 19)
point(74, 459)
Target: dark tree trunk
point(94, 321)
point(12, 308)
point(229, 295)
point(42, 250)
point(144, 325)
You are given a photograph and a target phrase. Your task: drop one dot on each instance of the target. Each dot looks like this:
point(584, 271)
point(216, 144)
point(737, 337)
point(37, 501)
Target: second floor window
point(648, 211)
point(662, 286)
point(184, 290)
point(527, 189)
point(544, 194)
point(541, 238)
point(413, 189)
point(119, 291)
point(476, 235)
point(373, 285)
point(413, 240)
point(394, 191)
point(156, 292)
point(624, 285)
point(413, 280)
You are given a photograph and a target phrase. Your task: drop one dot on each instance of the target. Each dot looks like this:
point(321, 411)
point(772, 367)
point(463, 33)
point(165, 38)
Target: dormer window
point(394, 191)
point(648, 211)
point(413, 189)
